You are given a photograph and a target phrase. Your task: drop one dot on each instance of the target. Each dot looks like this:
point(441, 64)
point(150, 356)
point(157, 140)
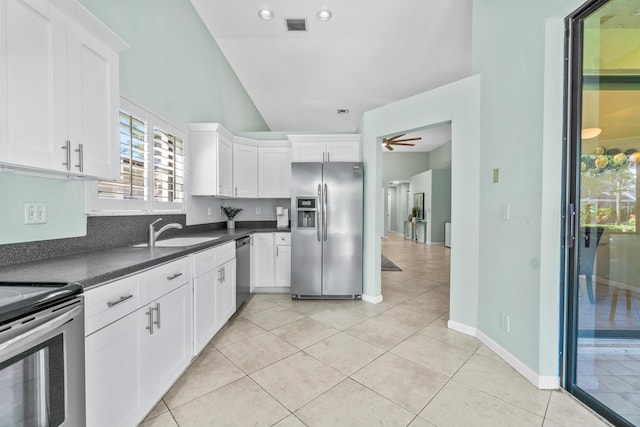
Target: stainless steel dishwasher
point(243, 269)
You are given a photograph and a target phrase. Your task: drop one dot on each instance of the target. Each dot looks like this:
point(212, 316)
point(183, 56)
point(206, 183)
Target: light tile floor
point(280, 362)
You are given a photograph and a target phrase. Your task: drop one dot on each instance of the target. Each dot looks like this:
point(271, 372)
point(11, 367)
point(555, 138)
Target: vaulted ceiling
point(369, 54)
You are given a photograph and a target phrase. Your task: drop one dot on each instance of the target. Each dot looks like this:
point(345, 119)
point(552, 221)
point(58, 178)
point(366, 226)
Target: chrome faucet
point(153, 234)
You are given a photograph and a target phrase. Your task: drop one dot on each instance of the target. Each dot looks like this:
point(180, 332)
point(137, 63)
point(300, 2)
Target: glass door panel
point(605, 251)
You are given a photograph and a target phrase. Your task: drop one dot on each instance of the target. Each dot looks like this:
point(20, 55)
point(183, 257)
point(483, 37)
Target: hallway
point(280, 362)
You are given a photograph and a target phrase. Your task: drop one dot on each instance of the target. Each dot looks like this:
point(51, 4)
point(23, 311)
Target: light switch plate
point(35, 213)
point(496, 175)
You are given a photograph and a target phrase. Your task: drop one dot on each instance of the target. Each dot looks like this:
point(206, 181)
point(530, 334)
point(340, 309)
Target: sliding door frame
point(574, 26)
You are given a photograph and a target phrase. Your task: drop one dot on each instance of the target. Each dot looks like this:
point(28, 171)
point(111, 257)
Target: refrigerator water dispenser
point(306, 212)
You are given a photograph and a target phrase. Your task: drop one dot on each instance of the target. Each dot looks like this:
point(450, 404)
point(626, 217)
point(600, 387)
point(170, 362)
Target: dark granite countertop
point(98, 267)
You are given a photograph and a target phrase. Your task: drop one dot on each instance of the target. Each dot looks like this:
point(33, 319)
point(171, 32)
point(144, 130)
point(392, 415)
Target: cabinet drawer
point(283, 239)
point(108, 303)
point(226, 252)
point(211, 258)
point(165, 278)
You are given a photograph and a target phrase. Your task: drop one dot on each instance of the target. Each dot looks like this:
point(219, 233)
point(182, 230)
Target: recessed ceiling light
point(323, 15)
point(265, 14)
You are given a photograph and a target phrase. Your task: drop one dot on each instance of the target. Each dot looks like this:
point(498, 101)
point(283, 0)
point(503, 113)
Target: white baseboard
point(462, 328)
point(372, 300)
point(541, 382)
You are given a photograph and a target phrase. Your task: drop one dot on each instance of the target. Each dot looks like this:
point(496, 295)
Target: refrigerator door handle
point(318, 212)
point(324, 213)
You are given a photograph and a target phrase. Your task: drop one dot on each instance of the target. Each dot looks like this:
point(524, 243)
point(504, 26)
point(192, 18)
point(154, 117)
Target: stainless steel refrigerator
point(326, 230)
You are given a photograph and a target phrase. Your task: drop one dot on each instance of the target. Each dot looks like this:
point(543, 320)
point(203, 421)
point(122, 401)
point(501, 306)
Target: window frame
point(96, 206)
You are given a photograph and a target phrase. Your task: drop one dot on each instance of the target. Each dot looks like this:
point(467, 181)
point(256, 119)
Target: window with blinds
point(152, 167)
point(168, 167)
point(132, 184)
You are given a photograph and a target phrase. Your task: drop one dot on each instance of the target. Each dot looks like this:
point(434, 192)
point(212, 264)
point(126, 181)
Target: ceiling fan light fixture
point(324, 15)
point(589, 133)
point(265, 14)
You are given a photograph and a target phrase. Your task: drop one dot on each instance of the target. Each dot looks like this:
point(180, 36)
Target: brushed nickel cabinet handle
point(67, 147)
point(174, 276)
point(121, 300)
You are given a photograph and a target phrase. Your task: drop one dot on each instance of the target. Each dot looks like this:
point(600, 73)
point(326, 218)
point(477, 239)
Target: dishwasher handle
point(243, 242)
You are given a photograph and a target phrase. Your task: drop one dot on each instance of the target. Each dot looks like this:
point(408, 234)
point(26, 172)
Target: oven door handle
point(33, 335)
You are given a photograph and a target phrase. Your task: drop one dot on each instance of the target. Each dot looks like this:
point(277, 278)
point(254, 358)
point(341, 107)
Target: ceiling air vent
point(296, 24)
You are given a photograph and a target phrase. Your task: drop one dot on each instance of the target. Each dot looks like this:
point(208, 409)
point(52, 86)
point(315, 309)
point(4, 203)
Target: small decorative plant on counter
point(231, 213)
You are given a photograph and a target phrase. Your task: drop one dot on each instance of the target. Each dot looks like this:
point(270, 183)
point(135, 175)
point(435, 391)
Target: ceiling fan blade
point(400, 143)
point(404, 140)
point(393, 138)
point(388, 147)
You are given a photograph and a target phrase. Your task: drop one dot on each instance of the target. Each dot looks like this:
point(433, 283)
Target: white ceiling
point(371, 53)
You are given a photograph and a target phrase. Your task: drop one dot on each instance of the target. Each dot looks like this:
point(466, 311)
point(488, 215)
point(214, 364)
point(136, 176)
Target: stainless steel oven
point(41, 355)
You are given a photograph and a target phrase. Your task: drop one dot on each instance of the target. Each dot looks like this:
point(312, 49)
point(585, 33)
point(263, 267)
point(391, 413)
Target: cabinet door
point(264, 260)
point(307, 151)
point(283, 266)
point(113, 382)
point(346, 151)
point(245, 171)
point(204, 297)
point(167, 351)
point(274, 169)
point(225, 300)
point(225, 166)
point(32, 83)
point(93, 105)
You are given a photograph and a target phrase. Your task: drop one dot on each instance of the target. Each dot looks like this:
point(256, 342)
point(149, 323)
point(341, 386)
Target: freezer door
point(342, 235)
point(306, 242)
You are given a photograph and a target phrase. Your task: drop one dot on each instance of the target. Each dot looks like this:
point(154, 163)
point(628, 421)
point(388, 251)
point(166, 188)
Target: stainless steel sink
point(179, 242)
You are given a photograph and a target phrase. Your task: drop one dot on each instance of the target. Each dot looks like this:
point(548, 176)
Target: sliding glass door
point(603, 236)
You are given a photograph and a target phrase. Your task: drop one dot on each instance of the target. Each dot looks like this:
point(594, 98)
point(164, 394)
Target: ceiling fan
point(394, 140)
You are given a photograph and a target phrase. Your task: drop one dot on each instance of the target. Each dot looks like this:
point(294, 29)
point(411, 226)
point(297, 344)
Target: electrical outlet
point(35, 213)
point(505, 322)
point(258, 211)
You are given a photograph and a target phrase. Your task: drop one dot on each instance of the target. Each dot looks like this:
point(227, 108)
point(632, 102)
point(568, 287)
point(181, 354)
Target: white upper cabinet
point(325, 148)
point(245, 171)
point(274, 172)
point(59, 89)
point(211, 157)
point(94, 98)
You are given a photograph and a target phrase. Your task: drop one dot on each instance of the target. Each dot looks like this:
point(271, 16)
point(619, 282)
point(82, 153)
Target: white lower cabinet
point(214, 290)
point(271, 262)
point(283, 266)
point(166, 342)
point(225, 299)
point(113, 381)
point(137, 343)
point(263, 261)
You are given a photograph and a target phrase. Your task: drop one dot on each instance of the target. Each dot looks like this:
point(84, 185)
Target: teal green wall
point(440, 158)
point(457, 103)
point(521, 134)
point(65, 208)
point(173, 65)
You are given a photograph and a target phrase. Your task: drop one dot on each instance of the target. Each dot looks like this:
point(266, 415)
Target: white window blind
point(152, 167)
point(132, 184)
point(168, 167)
